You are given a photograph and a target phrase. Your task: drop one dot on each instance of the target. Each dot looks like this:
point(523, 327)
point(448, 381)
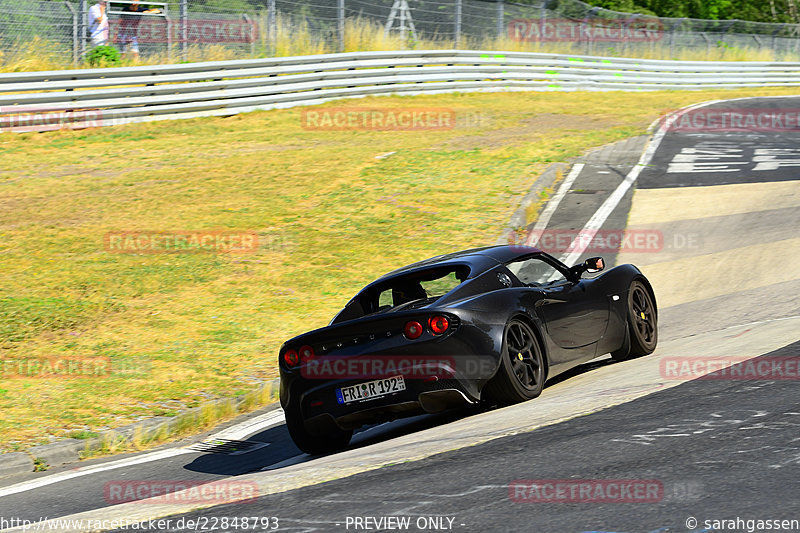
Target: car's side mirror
point(591, 265)
point(594, 264)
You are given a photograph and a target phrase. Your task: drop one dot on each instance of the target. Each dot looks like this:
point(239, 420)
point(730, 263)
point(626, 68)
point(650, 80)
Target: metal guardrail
point(41, 101)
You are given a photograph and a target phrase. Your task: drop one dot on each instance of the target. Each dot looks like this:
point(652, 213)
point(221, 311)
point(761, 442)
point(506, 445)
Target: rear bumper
point(316, 401)
point(463, 361)
point(426, 402)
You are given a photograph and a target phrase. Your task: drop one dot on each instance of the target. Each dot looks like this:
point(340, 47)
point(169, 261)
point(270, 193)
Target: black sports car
point(489, 324)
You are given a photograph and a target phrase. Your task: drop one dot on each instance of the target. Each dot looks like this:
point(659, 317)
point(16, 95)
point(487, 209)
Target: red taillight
point(438, 324)
point(306, 353)
point(290, 358)
point(412, 330)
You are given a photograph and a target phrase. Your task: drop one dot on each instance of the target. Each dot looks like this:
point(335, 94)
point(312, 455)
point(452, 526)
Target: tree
point(754, 10)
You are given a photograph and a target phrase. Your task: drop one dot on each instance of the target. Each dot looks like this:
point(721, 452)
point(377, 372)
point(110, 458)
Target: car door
point(575, 314)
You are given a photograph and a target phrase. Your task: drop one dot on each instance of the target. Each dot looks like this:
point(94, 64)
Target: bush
point(103, 56)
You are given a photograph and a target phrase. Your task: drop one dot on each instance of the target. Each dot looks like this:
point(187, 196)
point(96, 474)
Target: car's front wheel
point(522, 373)
point(642, 323)
point(328, 441)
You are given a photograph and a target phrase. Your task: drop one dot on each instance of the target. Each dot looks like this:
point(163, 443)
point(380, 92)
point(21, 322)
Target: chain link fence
point(186, 30)
point(32, 24)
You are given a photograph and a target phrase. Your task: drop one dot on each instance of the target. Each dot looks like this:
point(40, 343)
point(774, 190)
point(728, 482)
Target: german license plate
point(370, 389)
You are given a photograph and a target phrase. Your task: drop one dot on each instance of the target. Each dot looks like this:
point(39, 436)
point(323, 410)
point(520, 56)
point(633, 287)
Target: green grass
point(333, 212)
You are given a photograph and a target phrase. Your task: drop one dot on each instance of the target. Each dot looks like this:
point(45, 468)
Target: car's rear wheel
point(327, 441)
point(522, 372)
point(642, 323)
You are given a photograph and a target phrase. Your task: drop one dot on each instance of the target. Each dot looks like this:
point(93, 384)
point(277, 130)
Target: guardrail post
point(83, 32)
point(457, 29)
point(340, 23)
point(184, 14)
point(500, 17)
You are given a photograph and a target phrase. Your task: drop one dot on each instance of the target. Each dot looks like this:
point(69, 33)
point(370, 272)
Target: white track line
point(237, 432)
point(248, 427)
point(552, 205)
point(87, 470)
point(594, 224)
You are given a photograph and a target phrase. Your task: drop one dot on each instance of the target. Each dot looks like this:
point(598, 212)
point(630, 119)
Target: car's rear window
point(417, 290)
point(414, 289)
point(407, 291)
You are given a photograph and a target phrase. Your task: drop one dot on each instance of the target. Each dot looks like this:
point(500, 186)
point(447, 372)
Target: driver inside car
point(408, 292)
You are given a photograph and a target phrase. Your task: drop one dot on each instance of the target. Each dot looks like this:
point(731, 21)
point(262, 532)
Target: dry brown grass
point(361, 34)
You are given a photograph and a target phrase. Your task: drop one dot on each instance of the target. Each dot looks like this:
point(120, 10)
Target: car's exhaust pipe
point(441, 400)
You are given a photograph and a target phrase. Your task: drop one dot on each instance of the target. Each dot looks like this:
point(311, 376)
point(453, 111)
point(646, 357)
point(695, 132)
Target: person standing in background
point(129, 34)
point(98, 24)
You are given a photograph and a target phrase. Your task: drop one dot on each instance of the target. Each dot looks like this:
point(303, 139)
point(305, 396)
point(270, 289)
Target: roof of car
point(477, 258)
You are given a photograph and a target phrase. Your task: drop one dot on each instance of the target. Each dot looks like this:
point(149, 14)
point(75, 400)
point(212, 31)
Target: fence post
point(184, 15)
point(500, 17)
point(272, 27)
point(457, 29)
point(796, 41)
point(251, 37)
point(83, 32)
point(340, 23)
point(74, 32)
point(169, 35)
point(583, 24)
point(708, 44)
point(672, 41)
point(590, 43)
point(775, 41)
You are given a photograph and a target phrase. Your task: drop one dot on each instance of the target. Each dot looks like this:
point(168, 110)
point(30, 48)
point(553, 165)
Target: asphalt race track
point(632, 447)
point(732, 450)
